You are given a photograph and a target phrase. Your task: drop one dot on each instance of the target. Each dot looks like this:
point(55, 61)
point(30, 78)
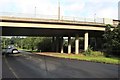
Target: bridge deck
point(51, 21)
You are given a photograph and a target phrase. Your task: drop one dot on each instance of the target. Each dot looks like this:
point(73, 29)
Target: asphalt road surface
point(27, 65)
point(0, 64)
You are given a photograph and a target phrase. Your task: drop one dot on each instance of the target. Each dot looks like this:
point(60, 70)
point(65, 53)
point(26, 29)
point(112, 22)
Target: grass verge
point(100, 59)
point(95, 58)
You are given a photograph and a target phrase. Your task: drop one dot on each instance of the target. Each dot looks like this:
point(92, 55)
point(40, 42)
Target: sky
point(73, 8)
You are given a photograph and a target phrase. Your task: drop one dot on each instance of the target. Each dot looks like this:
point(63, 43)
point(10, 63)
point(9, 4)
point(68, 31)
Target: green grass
point(89, 58)
point(23, 49)
point(29, 50)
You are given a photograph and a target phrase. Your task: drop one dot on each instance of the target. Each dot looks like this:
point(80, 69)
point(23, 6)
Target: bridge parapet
point(63, 19)
point(54, 17)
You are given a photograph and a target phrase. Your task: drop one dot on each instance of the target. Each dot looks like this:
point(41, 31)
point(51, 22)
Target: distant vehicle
point(10, 50)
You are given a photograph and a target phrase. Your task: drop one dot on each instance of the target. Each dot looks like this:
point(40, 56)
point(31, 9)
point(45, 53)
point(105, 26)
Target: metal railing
point(55, 17)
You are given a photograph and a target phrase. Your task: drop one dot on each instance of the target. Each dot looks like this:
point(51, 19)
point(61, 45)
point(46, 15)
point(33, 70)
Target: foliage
point(29, 43)
point(107, 37)
point(5, 42)
point(88, 51)
point(112, 39)
point(116, 40)
point(45, 45)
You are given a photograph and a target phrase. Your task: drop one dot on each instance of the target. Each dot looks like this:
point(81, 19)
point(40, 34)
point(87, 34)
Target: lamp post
point(95, 17)
point(119, 10)
point(35, 11)
point(58, 9)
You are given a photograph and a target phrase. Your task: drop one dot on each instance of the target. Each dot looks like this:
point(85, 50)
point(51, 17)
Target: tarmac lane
point(36, 66)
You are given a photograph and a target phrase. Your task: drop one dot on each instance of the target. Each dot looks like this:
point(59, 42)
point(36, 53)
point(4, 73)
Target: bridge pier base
point(76, 44)
point(85, 41)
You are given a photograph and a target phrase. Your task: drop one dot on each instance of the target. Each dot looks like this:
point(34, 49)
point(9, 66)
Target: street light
point(95, 17)
point(35, 8)
point(58, 9)
point(35, 11)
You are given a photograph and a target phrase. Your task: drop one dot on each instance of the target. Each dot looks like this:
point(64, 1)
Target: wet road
point(27, 65)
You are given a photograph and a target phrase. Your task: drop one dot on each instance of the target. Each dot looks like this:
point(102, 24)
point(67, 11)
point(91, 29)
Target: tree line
point(30, 43)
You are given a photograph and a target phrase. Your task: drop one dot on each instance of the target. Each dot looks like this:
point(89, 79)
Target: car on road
point(10, 50)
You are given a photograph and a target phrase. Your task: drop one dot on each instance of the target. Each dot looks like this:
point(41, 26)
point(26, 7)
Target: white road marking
point(10, 68)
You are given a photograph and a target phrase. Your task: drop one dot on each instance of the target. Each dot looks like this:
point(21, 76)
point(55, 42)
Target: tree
point(112, 40)
point(107, 37)
point(45, 44)
point(5, 42)
point(116, 40)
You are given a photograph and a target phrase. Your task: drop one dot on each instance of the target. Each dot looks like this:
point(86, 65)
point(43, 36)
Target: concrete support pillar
point(77, 44)
point(69, 45)
point(53, 44)
point(61, 45)
point(85, 41)
point(57, 44)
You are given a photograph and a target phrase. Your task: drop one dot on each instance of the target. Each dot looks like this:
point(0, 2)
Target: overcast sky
point(76, 8)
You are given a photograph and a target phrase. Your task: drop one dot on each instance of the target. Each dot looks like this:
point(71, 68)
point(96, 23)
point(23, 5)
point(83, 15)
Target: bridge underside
point(17, 31)
point(57, 35)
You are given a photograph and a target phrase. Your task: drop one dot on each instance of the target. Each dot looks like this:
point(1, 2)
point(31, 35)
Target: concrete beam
point(86, 41)
point(69, 45)
point(52, 26)
point(77, 44)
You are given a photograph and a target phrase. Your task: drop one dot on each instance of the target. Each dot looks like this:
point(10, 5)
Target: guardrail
point(55, 17)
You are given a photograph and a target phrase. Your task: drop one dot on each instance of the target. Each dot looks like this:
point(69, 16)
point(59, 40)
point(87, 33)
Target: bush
point(44, 45)
point(97, 53)
point(88, 51)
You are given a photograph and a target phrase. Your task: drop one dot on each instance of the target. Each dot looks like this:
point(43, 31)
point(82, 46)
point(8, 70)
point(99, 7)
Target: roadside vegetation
point(99, 59)
point(29, 43)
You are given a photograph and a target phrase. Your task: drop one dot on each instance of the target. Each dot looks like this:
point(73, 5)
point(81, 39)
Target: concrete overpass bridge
point(19, 26)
